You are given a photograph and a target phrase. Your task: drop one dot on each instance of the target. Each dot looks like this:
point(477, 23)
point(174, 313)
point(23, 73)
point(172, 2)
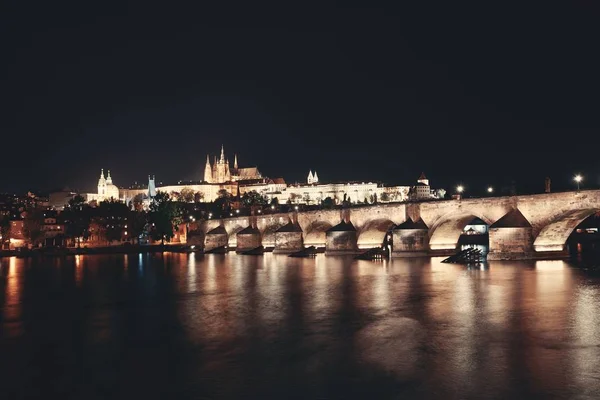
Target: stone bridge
point(527, 226)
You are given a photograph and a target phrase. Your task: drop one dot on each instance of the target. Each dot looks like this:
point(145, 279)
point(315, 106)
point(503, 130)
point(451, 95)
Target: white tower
point(310, 178)
point(102, 183)
point(315, 177)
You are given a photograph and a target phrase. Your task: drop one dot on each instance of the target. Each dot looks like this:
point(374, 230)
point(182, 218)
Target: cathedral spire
point(207, 171)
point(102, 173)
point(108, 178)
point(235, 161)
point(310, 177)
point(315, 177)
point(222, 160)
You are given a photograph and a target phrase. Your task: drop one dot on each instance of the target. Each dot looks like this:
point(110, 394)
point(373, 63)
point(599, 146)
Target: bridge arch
point(446, 231)
point(232, 232)
point(315, 234)
point(268, 234)
point(553, 236)
point(372, 233)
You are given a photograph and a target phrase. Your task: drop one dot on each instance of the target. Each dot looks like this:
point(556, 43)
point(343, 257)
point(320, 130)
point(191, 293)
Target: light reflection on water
point(231, 326)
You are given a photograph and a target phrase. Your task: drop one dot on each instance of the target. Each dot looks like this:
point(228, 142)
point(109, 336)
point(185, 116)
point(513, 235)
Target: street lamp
point(578, 179)
point(490, 189)
point(460, 188)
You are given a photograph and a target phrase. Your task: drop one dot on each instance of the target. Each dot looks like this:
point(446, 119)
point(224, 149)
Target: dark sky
point(477, 94)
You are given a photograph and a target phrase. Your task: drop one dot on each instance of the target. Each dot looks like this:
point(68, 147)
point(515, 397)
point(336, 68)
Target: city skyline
point(358, 93)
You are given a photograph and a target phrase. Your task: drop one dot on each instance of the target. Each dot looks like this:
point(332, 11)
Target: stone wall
point(510, 243)
point(213, 241)
point(288, 242)
point(341, 242)
point(248, 241)
point(410, 242)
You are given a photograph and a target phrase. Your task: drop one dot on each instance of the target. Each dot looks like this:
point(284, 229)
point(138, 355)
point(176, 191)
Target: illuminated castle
point(220, 172)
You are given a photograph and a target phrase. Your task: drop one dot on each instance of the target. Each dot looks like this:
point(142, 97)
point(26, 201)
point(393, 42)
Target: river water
point(178, 326)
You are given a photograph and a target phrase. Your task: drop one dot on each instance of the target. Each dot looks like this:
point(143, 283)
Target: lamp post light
point(459, 190)
point(578, 179)
point(490, 189)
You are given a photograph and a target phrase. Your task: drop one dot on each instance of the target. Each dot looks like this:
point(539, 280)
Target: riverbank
point(66, 251)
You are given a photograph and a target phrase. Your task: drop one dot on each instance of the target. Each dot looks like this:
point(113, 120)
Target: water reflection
point(12, 305)
point(232, 326)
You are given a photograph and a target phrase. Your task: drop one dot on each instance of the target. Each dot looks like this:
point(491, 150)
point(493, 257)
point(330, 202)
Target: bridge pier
point(410, 239)
point(341, 239)
point(247, 239)
point(511, 238)
point(216, 238)
point(288, 239)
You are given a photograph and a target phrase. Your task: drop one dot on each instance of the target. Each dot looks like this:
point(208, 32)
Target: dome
point(112, 191)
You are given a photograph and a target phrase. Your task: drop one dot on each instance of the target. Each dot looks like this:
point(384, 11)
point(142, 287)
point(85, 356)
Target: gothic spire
point(222, 160)
point(235, 165)
point(102, 173)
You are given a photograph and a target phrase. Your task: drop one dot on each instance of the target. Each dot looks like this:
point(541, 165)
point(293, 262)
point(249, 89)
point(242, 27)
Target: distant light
point(490, 189)
point(237, 211)
point(259, 211)
point(460, 188)
point(296, 207)
point(272, 207)
point(191, 218)
point(578, 178)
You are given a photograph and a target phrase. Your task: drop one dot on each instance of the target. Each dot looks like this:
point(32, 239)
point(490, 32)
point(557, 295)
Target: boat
point(375, 253)
point(310, 251)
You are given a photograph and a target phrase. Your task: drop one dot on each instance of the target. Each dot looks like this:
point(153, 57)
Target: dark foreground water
point(179, 326)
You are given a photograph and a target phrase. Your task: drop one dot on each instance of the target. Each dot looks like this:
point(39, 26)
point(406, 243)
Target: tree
point(327, 203)
point(198, 197)
point(441, 193)
point(138, 201)
point(112, 216)
point(274, 202)
point(306, 199)
point(294, 197)
point(137, 222)
point(385, 197)
point(222, 204)
point(186, 195)
point(164, 216)
point(32, 226)
point(77, 203)
point(253, 198)
point(77, 217)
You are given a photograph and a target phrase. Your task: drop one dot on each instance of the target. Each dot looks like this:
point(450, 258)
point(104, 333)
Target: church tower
point(310, 178)
point(102, 183)
point(207, 171)
point(151, 187)
point(235, 164)
point(423, 179)
point(315, 177)
point(108, 178)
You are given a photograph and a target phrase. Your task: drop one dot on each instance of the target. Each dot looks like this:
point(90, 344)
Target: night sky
point(475, 94)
